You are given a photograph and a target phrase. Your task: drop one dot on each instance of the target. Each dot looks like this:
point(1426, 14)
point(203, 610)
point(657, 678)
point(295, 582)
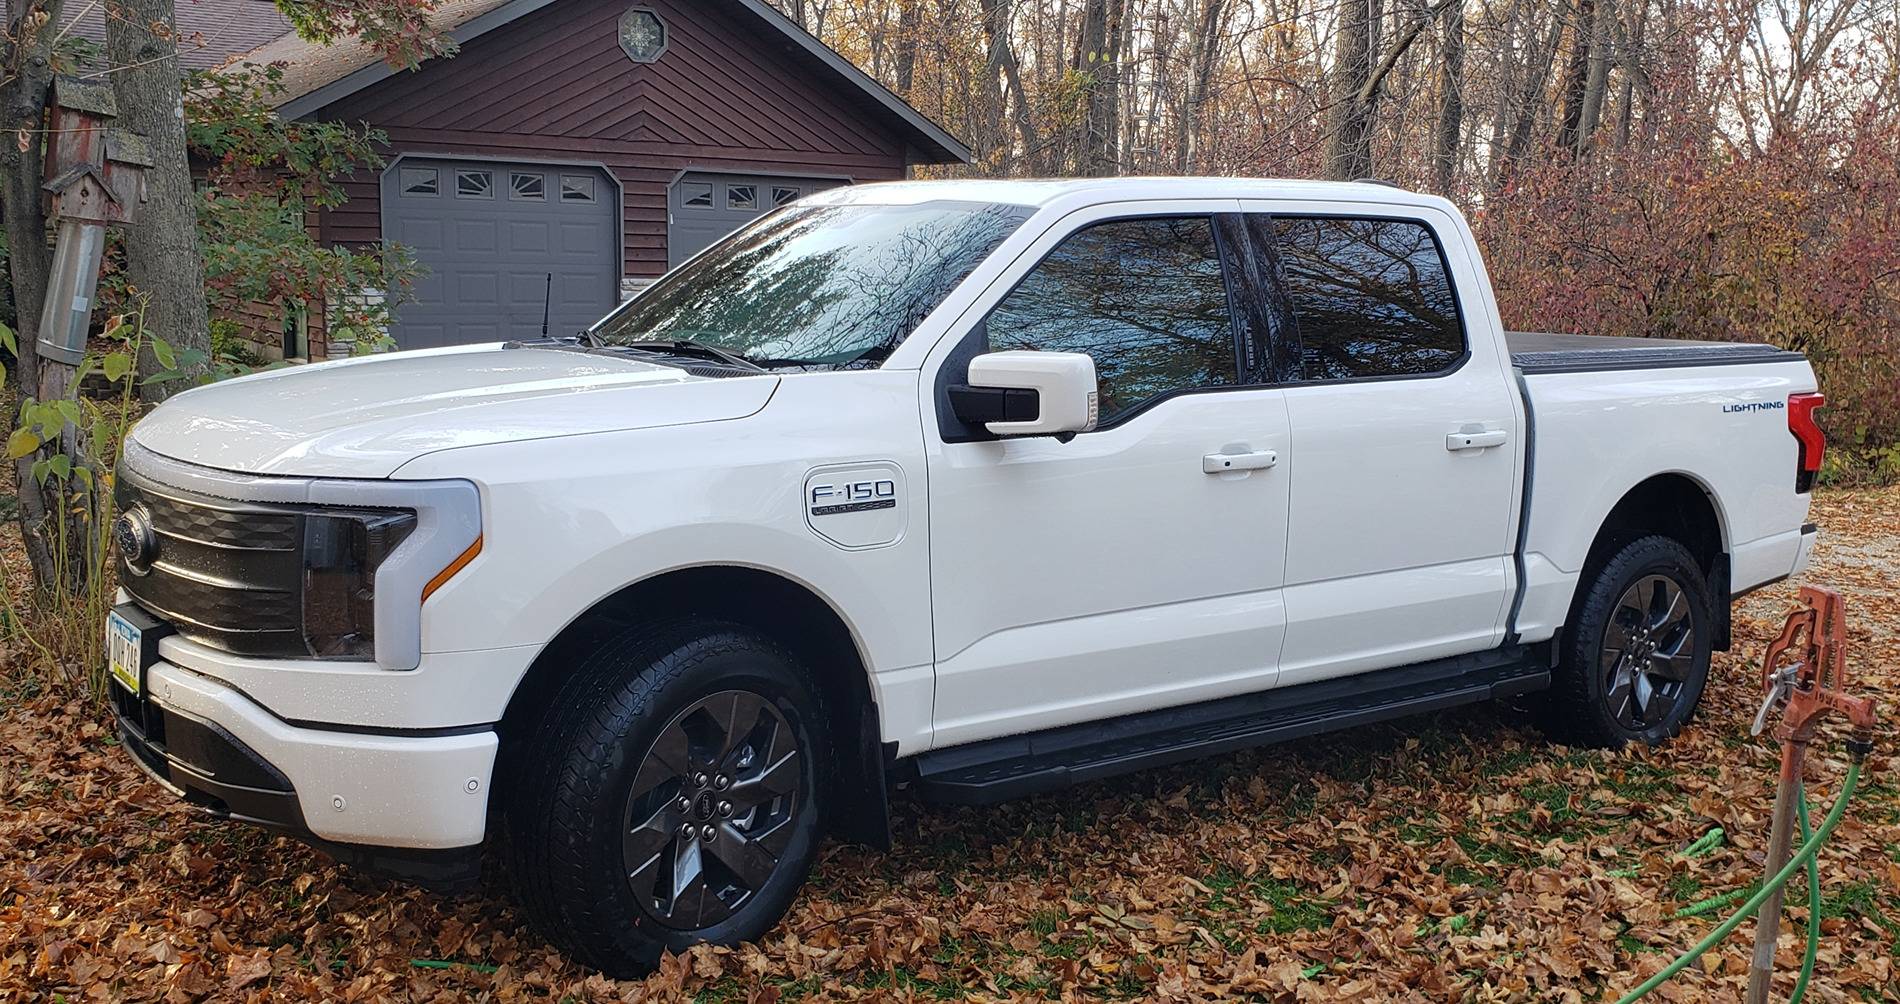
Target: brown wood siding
point(555, 85)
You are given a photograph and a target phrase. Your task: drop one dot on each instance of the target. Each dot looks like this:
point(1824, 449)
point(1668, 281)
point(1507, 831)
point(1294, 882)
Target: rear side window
point(1372, 297)
point(1145, 297)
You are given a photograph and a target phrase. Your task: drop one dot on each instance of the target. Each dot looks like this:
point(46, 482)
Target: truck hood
point(366, 417)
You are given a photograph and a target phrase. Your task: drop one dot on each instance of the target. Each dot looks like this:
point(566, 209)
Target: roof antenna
point(547, 295)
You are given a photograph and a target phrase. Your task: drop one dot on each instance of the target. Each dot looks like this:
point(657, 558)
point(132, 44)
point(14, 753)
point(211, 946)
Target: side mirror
point(1028, 393)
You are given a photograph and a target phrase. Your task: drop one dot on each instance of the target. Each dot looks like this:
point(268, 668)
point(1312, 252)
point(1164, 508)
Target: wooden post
point(95, 178)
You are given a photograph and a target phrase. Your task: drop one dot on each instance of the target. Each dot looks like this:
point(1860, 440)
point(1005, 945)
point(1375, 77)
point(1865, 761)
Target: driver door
point(1131, 567)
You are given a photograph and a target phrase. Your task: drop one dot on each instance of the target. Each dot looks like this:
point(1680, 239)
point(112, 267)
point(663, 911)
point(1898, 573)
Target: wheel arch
point(1677, 505)
point(786, 610)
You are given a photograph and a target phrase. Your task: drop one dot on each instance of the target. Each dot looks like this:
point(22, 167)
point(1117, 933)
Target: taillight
point(1808, 435)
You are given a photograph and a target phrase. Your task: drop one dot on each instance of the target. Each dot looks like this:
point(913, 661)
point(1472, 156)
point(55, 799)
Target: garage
point(502, 241)
point(702, 207)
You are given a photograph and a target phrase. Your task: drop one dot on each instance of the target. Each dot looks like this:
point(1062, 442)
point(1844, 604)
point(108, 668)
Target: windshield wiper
point(875, 354)
point(687, 346)
point(579, 339)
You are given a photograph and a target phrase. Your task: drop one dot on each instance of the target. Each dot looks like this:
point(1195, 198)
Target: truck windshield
point(817, 287)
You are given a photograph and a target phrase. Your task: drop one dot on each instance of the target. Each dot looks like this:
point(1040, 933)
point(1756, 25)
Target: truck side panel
point(633, 505)
point(1600, 434)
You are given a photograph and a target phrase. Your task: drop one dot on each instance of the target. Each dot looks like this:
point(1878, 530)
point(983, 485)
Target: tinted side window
point(1372, 297)
point(1145, 297)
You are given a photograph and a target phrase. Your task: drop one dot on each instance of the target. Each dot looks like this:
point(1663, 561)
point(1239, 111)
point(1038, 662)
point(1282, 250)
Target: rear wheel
point(1636, 655)
point(671, 796)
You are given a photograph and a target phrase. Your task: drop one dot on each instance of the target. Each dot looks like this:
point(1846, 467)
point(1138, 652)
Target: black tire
point(576, 820)
point(1627, 670)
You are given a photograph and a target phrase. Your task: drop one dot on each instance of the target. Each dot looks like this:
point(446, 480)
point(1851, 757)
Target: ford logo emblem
point(137, 542)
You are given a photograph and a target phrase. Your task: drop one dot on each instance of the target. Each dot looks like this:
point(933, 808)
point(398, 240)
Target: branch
point(1392, 55)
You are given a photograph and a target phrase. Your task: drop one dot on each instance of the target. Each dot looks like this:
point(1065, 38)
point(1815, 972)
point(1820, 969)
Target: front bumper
point(413, 805)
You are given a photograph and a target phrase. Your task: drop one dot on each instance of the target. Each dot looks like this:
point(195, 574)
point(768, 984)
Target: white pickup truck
point(979, 488)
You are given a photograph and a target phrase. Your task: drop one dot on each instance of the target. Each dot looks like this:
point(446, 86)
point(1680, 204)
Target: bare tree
point(1358, 79)
point(1451, 101)
point(1205, 50)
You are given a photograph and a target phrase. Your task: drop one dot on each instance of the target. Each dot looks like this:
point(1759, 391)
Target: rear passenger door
point(1404, 443)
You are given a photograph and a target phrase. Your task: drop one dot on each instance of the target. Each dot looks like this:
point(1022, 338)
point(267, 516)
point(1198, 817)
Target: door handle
point(1221, 463)
point(1459, 441)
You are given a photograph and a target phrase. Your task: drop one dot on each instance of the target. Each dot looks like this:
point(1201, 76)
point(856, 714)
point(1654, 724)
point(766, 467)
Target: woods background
point(1719, 169)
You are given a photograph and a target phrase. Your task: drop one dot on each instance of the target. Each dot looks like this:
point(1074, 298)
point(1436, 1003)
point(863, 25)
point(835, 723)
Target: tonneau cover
point(1546, 352)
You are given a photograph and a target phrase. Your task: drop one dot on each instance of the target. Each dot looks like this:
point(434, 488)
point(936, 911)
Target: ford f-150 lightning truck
point(972, 488)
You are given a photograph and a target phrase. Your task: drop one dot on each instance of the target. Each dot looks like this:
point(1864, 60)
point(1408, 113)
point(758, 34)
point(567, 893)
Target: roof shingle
point(209, 31)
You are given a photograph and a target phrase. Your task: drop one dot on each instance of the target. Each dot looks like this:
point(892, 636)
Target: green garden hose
point(1802, 858)
point(1814, 901)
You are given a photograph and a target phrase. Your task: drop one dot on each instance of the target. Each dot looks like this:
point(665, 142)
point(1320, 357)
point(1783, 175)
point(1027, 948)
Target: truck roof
point(1042, 192)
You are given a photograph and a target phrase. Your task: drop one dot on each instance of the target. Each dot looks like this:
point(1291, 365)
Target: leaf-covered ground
point(1456, 857)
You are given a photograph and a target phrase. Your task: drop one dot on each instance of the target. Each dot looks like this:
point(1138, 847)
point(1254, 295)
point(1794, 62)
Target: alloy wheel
point(1648, 651)
point(711, 809)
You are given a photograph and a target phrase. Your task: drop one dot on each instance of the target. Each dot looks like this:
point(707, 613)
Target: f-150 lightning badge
point(856, 505)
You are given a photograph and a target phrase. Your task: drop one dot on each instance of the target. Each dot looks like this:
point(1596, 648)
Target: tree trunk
point(1630, 46)
point(162, 257)
point(1451, 102)
point(1349, 140)
point(1095, 64)
point(26, 76)
point(909, 37)
point(1597, 84)
point(996, 27)
point(1577, 76)
point(1530, 105)
point(1204, 52)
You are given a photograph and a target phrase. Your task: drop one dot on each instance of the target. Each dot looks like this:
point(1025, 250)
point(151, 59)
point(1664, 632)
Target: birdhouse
point(81, 193)
point(95, 172)
point(80, 114)
point(95, 176)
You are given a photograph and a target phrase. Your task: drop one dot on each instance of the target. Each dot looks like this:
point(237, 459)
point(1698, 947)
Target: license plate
point(124, 642)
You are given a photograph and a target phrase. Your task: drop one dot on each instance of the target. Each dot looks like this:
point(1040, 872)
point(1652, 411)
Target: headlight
point(373, 554)
point(341, 554)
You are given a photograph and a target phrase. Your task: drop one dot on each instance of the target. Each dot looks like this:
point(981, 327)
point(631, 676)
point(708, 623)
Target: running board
point(996, 770)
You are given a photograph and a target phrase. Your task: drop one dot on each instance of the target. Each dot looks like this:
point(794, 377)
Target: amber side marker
point(461, 561)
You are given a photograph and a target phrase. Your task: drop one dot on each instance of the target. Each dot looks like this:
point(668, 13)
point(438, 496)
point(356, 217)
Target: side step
point(996, 770)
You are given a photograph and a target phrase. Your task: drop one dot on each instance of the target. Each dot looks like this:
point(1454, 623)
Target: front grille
point(226, 574)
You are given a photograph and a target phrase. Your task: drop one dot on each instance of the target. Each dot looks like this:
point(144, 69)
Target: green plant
point(71, 442)
point(265, 176)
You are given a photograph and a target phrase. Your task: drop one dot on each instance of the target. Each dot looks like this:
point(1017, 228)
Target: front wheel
point(1636, 654)
point(671, 796)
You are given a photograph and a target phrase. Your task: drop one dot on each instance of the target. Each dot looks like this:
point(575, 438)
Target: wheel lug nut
point(686, 830)
point(700, 779)
point(725, 808)
point(683, 804)
point(706, 832)
point(722, 782)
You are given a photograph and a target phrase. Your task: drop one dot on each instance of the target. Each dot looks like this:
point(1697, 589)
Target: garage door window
point(474, 185)
point(577, 188)
point(418, 181)
point(528, 187)
point(783, 195)
point(742, 197)
point(696, 196)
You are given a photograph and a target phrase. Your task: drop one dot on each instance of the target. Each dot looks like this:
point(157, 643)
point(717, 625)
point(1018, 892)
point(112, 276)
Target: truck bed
point(1545, 352)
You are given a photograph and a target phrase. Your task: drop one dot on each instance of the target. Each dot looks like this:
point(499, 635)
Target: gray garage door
point(703, 207)
point(491, 233)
